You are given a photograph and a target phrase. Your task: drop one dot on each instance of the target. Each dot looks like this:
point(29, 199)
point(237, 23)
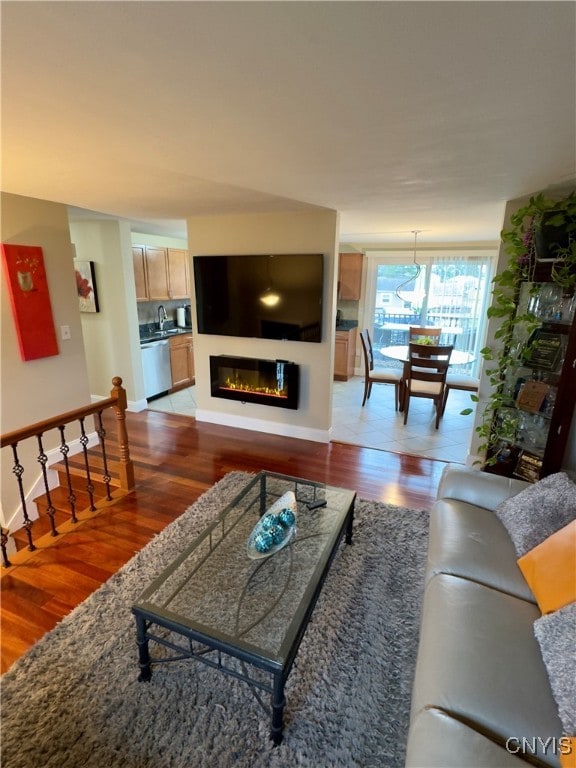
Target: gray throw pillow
point(555, 633)
point(538, 511)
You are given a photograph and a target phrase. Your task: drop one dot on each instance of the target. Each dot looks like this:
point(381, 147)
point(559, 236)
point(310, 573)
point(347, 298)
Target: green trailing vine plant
point(523, 243)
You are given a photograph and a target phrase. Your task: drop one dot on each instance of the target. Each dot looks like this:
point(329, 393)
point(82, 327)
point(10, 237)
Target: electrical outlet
point(65, 332)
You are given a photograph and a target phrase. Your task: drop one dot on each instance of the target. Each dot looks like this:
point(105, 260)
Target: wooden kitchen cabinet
point(350, 276)
point(139, 261)
point(157, 273)
point(178, 273)
point(182, 360)
point(161, 274)
point(345, 354)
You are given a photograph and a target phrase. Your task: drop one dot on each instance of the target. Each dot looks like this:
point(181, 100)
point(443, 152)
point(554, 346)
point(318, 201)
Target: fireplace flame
point(242, 386)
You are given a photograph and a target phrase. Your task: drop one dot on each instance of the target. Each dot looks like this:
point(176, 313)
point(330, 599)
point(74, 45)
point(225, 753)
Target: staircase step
point(40, 527)
point(77, 471)
point(76, 474)
point(59, 498)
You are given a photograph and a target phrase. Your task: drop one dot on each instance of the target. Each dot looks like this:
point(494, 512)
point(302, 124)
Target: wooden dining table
point(400, 352)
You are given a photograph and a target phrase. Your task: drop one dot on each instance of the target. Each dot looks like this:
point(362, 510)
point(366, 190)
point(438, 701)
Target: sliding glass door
point(449, 290)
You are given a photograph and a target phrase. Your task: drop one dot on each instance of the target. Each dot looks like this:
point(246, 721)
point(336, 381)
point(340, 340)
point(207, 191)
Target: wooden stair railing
point(125, 468)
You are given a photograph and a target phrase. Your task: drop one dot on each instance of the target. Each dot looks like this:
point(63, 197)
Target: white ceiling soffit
point(400, 115)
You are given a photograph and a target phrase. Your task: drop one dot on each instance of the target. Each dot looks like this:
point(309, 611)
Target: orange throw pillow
point(568, 758)
point(550, 569)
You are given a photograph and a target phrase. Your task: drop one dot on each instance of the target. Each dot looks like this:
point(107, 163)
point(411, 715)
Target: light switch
point(65, 332)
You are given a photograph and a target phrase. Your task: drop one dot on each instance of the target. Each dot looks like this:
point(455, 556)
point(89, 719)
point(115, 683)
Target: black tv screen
point(260, 296)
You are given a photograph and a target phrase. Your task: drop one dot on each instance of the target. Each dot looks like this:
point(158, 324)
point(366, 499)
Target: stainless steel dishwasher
point(156, 367)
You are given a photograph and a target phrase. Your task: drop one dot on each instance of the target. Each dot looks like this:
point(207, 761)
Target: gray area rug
point(73, 701)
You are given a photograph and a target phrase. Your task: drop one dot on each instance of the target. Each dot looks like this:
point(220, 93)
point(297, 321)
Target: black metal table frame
point(201, 645)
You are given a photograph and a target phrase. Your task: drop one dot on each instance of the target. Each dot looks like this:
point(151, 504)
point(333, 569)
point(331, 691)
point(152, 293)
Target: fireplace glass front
point(250, 380)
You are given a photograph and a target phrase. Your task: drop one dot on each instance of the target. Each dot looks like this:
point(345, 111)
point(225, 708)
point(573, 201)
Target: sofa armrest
point(475, 487)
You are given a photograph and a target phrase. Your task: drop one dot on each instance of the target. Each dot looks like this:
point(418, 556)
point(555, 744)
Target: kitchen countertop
point(346, 325)
point(147, 334)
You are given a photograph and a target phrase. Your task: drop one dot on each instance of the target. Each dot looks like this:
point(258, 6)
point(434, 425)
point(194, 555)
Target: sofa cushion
point(479, 660)
point(476, 487)
point(550, 569)
point(468, 541)
point(437, 740)
point(538, 511)
point(556, 634)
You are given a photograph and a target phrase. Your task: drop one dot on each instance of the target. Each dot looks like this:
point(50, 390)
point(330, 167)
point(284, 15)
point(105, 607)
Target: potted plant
point(542, 234)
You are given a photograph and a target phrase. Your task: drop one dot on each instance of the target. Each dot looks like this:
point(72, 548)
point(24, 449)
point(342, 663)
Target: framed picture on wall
point(30, 300)
point(86, 286)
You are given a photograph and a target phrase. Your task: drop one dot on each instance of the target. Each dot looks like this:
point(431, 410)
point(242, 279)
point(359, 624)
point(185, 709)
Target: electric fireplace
point(251, 380)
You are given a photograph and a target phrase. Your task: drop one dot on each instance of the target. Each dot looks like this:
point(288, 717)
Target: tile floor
point(377, 424)
point(183, 402)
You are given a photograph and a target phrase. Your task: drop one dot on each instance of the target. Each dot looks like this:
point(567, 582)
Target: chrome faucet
point(162, 316)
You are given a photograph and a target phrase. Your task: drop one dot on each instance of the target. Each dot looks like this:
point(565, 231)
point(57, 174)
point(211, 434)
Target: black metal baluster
point(50, 510)
point(3, 546)
point(18, 470)
point(89, 483)
point(64, 450)
point(102, 434)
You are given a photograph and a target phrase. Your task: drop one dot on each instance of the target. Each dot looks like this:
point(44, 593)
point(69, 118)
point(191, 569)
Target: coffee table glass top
point(215, 589)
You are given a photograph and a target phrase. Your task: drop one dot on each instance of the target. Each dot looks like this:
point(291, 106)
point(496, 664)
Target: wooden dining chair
point(460, 381)
point(379, 374)
point(426, 375)
point(416, 333)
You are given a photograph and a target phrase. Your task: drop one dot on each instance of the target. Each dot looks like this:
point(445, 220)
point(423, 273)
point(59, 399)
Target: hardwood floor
point(176, 460)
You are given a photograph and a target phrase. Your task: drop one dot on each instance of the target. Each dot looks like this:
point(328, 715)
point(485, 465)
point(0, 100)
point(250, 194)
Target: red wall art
point(86, 286)
point(30, 300)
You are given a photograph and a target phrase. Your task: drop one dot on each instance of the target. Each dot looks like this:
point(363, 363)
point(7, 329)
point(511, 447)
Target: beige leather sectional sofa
point(482, 696)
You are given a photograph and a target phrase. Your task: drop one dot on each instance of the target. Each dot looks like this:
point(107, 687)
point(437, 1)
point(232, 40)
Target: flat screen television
point(260, 296)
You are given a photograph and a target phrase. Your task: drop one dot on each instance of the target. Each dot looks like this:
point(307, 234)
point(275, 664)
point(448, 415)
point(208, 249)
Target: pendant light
point(418, 266)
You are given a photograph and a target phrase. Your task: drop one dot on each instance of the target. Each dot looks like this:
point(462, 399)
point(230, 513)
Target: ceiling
point(400, 115)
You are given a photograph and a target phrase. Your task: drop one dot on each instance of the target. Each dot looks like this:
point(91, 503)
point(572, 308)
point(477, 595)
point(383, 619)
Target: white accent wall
point(302, 232)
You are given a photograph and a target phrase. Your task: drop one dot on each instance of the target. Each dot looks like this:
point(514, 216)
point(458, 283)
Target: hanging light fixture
point(418, 266)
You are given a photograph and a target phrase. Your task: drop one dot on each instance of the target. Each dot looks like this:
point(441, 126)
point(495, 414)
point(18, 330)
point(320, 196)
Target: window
point(443, 289)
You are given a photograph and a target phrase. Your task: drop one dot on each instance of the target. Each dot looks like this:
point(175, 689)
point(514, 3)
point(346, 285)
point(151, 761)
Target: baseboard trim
point(135, 406)
point(259, 425)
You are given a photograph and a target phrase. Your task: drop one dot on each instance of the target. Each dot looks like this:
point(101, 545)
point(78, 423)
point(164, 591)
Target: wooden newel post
point(126, 467)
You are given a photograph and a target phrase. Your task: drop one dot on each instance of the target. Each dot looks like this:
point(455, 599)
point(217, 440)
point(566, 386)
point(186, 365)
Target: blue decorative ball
point(286, 518)
point(263, 542)
point(268, 521)
point(277, 533)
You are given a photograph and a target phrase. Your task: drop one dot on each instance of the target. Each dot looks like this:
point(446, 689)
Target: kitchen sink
point(165, 333)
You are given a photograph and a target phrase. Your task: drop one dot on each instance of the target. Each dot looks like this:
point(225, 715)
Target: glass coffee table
point(246, 617)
